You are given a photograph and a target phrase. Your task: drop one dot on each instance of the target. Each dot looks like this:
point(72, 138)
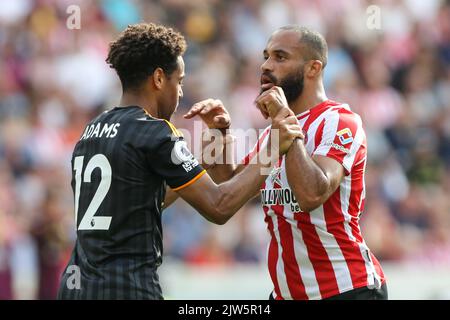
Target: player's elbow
point(308, 205)
point(218, 209)
point(217, 216)
point(221, 220)
point(223, 210)
point(312, 197)
point(310, 201)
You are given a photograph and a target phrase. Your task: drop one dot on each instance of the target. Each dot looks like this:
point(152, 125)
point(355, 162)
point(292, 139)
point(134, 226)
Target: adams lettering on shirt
point(99, 130)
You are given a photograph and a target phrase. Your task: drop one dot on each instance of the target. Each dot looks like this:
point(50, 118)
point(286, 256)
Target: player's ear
point(313, 68)
point(158, 78)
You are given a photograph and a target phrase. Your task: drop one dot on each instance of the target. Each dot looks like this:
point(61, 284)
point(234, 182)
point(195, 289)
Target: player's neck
point(137, 99)
point(309, 98)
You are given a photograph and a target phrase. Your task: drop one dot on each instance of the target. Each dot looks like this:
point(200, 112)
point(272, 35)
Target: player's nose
point(267, 65)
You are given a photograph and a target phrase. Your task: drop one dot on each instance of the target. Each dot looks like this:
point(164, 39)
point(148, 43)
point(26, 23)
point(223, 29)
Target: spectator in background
point(209, 251)
point(49, 233)
point(6, 281)
point(7, 232)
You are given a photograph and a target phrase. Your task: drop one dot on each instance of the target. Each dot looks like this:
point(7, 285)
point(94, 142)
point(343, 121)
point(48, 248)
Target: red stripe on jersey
point(314, 113)
point(349, 248)
point(273, 253)
point(378, 269)
point(357, 188)
point(310, 236)
point(333, 211)
point(318, 136)
point(355, 229)
point(357, 183)
point(318, 109)
point(301, 116)
point(273, 250)
point(293, 277)
point(255, 150)
point(323, 268)
point(308, 123)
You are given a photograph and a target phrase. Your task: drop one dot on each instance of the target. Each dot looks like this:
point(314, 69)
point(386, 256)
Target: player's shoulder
point(154, 133)
point(349, 126)
point(343, 113)
point(162, 130)
point(142, 121)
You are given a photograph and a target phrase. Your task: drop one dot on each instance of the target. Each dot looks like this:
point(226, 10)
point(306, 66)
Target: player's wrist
point(297, 141)
point(223, 134)
point(229, 139)
point(223, 131)
point(213, 125)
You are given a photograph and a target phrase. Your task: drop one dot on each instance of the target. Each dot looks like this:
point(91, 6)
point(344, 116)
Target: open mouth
point(266, 82)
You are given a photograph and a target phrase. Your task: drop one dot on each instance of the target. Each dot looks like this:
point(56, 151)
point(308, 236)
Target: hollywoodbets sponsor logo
point(280, 196)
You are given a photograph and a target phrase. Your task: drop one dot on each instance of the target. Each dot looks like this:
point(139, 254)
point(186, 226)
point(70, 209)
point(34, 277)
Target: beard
point(292, 85)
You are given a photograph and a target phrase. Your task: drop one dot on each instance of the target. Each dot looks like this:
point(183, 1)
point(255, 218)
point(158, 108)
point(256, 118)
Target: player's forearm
point(238, 191)
point(219, 174)
point(306, 179)
point(245, 184)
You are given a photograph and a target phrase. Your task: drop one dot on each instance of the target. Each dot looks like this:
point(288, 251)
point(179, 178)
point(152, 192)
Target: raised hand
point(272, 103)
point(212, 112)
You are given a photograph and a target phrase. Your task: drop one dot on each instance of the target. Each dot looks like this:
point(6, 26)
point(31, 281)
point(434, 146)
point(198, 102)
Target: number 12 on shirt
point(89, 221)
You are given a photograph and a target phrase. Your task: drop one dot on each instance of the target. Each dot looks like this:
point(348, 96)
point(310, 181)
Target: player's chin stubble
point(292, 85)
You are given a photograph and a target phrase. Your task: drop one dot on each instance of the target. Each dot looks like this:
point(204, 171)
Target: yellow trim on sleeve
point(190, 181)
point(175, 131)
point(146, 112)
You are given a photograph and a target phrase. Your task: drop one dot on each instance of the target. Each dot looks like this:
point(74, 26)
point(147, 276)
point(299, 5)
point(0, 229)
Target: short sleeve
point(172, 159)
point(342, 138)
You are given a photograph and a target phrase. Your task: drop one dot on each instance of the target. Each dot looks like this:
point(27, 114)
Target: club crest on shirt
point(275, 176)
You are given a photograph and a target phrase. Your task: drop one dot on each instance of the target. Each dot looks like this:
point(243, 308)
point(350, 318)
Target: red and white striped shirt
point(319, 254)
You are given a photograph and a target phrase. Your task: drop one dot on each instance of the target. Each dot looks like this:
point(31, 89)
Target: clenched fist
point(272, 103)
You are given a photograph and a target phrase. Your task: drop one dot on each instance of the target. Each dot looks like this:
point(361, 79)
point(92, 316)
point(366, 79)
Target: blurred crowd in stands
point(54, 79)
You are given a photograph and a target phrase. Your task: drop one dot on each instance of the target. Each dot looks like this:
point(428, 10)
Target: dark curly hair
point(141, 48)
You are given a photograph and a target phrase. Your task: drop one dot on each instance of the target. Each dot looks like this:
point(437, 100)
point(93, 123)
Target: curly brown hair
point(141, 48)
